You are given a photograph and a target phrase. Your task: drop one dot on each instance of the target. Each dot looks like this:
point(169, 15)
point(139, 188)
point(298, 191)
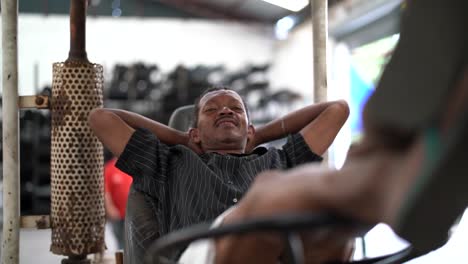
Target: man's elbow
point(97, 120)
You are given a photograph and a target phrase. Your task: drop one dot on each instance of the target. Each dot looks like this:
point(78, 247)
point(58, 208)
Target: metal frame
point(320, 36)
point(11, 176)
point(34, 101)
point(35, 221)
point(12, 221)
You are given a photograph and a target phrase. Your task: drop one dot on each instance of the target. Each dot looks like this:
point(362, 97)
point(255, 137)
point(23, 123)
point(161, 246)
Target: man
point(415, 140)
point(195, 176)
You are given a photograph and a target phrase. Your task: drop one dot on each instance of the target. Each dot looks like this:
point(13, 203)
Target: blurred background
point(160, 54)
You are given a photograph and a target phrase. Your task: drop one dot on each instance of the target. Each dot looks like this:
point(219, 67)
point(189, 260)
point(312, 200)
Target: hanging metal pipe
point(78, 30)
point(11, 176)
point(320, 36)
point(77, 182)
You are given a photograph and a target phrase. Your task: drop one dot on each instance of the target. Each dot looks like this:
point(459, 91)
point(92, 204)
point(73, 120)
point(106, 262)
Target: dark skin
point(226, 129)
point(223, 126)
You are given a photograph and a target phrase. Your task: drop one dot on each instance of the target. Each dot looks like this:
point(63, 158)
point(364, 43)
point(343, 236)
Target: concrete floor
point(35, 244)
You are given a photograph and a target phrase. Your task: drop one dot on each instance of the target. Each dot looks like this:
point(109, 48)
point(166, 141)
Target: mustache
point(226, 118)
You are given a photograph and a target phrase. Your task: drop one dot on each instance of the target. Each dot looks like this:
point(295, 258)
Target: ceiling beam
point(237, 5)
point(206, 10)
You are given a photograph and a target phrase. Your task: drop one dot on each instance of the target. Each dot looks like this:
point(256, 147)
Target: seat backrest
point(182, 118)
point(141, 226)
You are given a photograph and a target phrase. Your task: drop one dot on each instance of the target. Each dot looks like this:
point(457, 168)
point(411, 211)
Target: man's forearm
point(292, 122)
point(164, 133)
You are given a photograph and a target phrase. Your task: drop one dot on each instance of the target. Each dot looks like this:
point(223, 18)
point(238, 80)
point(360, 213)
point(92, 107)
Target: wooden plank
point(34, 101)
point(35, 221)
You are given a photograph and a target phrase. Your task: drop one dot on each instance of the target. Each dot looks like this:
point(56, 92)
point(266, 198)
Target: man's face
point(222, 122)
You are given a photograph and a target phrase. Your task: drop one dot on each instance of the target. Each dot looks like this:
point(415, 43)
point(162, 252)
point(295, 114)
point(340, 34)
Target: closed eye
point(237, 109)
point(210, 109)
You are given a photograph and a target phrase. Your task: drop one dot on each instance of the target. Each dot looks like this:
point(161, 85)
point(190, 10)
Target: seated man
point(194, 177)
point(409, 122)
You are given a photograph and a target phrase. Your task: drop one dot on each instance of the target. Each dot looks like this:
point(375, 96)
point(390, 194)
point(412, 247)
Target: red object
point(117, 184)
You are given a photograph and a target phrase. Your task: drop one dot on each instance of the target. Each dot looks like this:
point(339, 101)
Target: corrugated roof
point(242, 10)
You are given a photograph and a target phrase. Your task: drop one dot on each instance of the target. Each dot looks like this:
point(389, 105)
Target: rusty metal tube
point(78, 30)
point(77, 181)
point(320, 36)
point(11, 176)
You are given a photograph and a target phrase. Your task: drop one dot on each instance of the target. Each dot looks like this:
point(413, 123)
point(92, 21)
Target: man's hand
point(370, 187)
point(275, 193)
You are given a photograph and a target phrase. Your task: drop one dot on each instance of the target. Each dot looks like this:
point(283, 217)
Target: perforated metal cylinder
point(77, 183)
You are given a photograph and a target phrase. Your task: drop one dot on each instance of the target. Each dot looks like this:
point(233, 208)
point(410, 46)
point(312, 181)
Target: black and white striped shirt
point(187, 188)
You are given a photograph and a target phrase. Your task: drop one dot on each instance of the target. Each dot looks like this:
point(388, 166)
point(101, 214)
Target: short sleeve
point(145, 159)
point(298, 152)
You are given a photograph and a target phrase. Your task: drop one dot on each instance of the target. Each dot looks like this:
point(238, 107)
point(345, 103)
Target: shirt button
point(234, 200)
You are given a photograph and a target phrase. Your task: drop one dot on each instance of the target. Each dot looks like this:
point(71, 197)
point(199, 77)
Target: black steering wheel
point(289, 225)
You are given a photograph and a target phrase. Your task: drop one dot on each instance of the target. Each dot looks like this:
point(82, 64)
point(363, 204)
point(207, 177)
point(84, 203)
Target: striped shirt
point(186, 188)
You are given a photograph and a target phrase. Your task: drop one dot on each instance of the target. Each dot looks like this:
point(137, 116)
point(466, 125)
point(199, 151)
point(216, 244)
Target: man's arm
point(114, 128)
point(274, 193)
point(318, 124)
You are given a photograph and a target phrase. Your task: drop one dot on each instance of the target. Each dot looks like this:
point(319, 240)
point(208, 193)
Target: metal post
point(11, 177)
point(320, 36)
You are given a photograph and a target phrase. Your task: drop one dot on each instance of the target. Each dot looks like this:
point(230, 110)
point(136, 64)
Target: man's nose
point(226, 111)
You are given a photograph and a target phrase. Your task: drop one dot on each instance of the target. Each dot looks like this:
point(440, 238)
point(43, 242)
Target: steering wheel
point(289, 225)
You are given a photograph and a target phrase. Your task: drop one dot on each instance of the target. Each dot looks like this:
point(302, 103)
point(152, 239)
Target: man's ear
point(194, 135)
point(251, 132)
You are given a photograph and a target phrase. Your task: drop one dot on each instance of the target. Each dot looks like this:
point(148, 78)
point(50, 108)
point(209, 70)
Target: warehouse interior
point(159, 55)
